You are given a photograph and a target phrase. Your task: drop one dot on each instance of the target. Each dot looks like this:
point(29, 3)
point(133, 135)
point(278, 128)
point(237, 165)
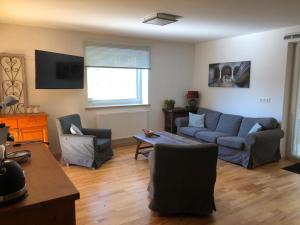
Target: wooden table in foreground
point(161, 137)
point(51, 195)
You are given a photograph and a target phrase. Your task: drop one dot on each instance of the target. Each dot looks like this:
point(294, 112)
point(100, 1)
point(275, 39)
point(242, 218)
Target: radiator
point(124, 124)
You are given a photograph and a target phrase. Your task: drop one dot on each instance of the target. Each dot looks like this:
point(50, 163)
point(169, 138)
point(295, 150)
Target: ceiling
point(202, 19)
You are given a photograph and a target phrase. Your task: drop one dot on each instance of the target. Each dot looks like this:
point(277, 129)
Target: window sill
point(115, 106)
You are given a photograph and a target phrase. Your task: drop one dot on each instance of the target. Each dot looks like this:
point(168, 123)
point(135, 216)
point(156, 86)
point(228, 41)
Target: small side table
point(172, 114)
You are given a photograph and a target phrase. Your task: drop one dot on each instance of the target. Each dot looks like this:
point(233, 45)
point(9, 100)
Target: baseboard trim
point(123, 142)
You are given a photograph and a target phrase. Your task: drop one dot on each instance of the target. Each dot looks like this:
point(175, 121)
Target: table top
point(165, 138)
point(21, 115)
point(45, 180)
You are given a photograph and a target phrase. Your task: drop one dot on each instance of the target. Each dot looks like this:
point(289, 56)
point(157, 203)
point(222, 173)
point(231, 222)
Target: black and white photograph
point(230, 75)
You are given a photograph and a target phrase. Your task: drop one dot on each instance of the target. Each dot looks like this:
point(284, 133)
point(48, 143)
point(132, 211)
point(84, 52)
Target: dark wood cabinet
point(172, 114)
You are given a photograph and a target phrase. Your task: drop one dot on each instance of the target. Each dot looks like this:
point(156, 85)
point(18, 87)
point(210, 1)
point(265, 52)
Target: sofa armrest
point(100, 133)
point(264, 136)
point(77, 139)
point(182, 121)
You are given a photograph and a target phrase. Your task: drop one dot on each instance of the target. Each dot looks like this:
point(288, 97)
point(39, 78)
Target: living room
point(180, 54)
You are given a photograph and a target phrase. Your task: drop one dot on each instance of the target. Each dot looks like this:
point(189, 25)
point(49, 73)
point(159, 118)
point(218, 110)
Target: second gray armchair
point(182, 178)
point(91, 149)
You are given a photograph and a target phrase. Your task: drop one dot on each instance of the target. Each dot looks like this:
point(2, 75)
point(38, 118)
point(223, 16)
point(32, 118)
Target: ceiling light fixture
point(162, 19)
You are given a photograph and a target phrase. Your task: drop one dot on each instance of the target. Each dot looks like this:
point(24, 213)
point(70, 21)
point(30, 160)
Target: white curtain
point(295, 151)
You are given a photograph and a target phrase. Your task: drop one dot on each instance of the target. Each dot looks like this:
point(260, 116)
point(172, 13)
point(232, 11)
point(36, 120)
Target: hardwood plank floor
point(116, 194)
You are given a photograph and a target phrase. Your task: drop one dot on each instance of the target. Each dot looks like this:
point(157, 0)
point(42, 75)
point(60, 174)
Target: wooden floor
point(116, 194)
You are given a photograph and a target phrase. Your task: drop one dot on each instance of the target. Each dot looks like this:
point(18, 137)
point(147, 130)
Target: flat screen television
point(58, 71)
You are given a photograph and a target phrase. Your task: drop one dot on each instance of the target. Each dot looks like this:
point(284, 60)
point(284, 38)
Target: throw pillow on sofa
point(75, 130)
point(256, 128)
point(196, 120)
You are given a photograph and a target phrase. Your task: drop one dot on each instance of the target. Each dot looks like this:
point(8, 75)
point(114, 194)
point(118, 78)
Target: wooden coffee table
point(162, 137)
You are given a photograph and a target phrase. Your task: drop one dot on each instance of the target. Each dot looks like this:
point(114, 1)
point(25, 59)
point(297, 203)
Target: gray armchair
point(90, 150)
point(182, 178)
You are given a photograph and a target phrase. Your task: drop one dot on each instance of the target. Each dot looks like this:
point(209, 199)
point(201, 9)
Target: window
point(117, 75)
point(114, 86)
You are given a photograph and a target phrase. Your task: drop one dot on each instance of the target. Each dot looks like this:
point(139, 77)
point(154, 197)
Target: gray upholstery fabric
point(100, 133)
point(255, 149)
point(229, 124)
point(211, 117)
point(210, 136)
point(265, 136)
point(182, 121)
point(232, 142)
point(260, 148)
point(90, 150)
point(66, 122)
point(101, 144)
point(242, 158)
point(248, 123)
point(182, 178)
point(190, 131)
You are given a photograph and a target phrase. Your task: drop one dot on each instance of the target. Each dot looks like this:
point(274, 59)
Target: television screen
point(58, 71)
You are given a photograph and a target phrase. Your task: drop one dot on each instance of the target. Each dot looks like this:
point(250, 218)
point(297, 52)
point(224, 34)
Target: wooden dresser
point(51, 195)
point(27, 126)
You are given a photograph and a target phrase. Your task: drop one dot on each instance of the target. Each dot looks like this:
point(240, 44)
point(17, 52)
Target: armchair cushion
point(78, 139)
point(75, 130)
point(99, 133)
point(66, 122)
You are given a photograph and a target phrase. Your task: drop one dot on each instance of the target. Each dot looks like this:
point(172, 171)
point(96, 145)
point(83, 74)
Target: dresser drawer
point(32, 134)
point(32, 122)
point(11, 123)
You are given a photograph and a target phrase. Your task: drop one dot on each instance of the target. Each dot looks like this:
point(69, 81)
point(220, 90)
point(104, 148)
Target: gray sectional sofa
point(230, 132)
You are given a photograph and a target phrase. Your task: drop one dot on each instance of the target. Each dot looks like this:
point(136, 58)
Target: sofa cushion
point(190, 131)
point(196, 120)
point(210, 136)
point(256, 127)
point(248, 122)
point(229, 124)
point(211, 117)
point(232, 142)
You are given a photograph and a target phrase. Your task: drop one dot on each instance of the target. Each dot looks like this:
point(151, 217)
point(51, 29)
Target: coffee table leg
point(137, 149)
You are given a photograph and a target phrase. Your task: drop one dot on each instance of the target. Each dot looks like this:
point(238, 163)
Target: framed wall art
point(230, 75)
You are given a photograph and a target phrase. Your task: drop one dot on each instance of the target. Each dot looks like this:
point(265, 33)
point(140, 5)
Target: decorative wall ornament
point(12, 81)
point(232, 74)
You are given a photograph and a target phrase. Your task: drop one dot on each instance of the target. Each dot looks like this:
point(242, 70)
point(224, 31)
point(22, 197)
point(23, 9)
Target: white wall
point(268, 54)
point(171, 74)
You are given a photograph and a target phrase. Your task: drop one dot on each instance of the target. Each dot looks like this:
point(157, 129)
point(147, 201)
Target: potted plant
point(169, 103)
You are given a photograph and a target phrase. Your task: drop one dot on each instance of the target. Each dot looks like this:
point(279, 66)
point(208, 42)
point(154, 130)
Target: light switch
point(264, 99)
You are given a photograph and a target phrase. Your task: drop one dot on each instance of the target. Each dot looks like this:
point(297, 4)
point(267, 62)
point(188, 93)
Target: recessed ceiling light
point(162, 19)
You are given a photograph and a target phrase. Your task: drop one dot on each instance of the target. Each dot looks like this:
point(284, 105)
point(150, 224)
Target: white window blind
point(114, 56)
point(117, 75)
